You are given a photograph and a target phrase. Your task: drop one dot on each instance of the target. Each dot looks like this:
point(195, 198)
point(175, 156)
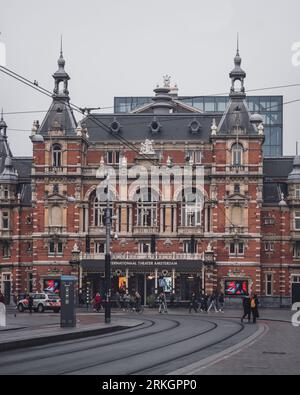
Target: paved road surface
point(163, 344)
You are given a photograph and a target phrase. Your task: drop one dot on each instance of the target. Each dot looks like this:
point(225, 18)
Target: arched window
point(237, 154)
point(56, 155)
point(147, 202)
point(99, 211)
point(191, 208)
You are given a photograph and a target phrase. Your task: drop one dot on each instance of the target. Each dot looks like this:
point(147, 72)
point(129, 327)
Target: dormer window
point(56, 155)
point(237, 154)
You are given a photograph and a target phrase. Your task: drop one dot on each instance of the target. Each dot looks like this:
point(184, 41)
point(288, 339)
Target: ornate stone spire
point(61, 78)
point(237, 74)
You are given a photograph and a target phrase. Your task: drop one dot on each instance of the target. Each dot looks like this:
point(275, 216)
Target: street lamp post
point(107, 264)
point(75, 262)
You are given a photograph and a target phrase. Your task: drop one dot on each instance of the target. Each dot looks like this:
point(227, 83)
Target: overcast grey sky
point(124, 47)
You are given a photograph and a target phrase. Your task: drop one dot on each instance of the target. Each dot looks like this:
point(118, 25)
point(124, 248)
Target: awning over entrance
point(143, 266)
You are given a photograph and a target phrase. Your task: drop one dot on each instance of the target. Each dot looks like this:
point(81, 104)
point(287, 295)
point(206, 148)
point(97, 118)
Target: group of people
point(124, 300)
point(207, 302)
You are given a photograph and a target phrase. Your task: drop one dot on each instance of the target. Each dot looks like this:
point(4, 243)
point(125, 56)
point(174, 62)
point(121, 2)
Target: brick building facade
point(250, 206)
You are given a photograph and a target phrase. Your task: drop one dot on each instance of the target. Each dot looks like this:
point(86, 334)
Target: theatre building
point(238, 232)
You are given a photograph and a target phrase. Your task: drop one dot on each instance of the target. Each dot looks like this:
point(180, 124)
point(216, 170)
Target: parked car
point(41, 303)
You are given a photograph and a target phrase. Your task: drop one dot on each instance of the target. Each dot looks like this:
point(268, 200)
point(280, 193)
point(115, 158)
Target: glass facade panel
point(270, 107)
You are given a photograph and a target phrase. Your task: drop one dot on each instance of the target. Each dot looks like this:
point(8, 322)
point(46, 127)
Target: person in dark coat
point(30, 303)
point(2, 299)
point(193, 303)
point(254, 307)
point(247, 308)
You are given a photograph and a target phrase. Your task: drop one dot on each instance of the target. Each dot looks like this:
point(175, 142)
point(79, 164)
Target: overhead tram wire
point(74, 107)
point(161, 118)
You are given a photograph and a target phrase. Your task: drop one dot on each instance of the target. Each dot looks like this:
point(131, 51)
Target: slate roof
point(174, 127)
point(60, 116)
point(237, 114)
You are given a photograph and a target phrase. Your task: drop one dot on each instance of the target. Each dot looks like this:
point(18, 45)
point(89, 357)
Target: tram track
point(175, 325)
point(214, 326)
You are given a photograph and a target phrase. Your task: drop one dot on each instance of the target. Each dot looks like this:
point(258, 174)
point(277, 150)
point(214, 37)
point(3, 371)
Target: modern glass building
point(270, 107)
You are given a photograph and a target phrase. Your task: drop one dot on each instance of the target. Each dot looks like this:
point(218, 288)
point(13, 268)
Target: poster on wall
point(166, 284)
point(236, 287)
point(52, 286)
point(122, 283)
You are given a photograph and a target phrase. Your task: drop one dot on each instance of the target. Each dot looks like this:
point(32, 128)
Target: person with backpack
point(254, 307)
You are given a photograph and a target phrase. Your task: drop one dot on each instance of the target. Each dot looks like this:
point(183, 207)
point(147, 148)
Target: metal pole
point(107, 265)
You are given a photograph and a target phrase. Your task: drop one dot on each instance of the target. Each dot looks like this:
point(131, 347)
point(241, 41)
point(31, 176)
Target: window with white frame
point(144, 247)
point(269, 284)
point(99, 247)
point(6, 251)
point(191, 209)
point(99, 211)
point(113, 157)
point(269, 246)
point(5, 220)
point(55, 248)
point(56, 155)
point(296, 279)
point(297, 220)
point(147, 206)
point(190, 247)
point(195, 156)
point(237, 154)
point(296, 250)
point(237, 248)
point(269, 221)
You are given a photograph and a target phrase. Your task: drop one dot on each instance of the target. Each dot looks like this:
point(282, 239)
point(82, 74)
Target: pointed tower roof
point(237, 116)
point(7, 171)
point(60, 116)
point(294, 176)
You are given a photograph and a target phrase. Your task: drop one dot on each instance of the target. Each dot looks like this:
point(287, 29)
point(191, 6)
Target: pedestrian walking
point(204, 303)
point(162, 303)
point(193, 303)
point(118, 300)
point(213, 303)
point(247, 308)
point(2, 299)
point(221, 303)
point(138, 301)
point(30, 303)
point(126, 299)
point(98, 302)
point(254, 307)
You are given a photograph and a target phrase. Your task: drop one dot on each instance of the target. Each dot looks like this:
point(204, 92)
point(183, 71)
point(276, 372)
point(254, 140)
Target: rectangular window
point(99, 248)
point(51, 248)
point(110, 157)
point(144, 248)
point(190, 247)
point(6, 251)
point(269, 284)
point(269, 246)
point(59, 248)
point(269, 221)
point(237, 188)
point(113, 157)
point(297, 251)
point(297, 220)
point(297, 192)
point(237, 249)
point(5, 220)
point(6, 193)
